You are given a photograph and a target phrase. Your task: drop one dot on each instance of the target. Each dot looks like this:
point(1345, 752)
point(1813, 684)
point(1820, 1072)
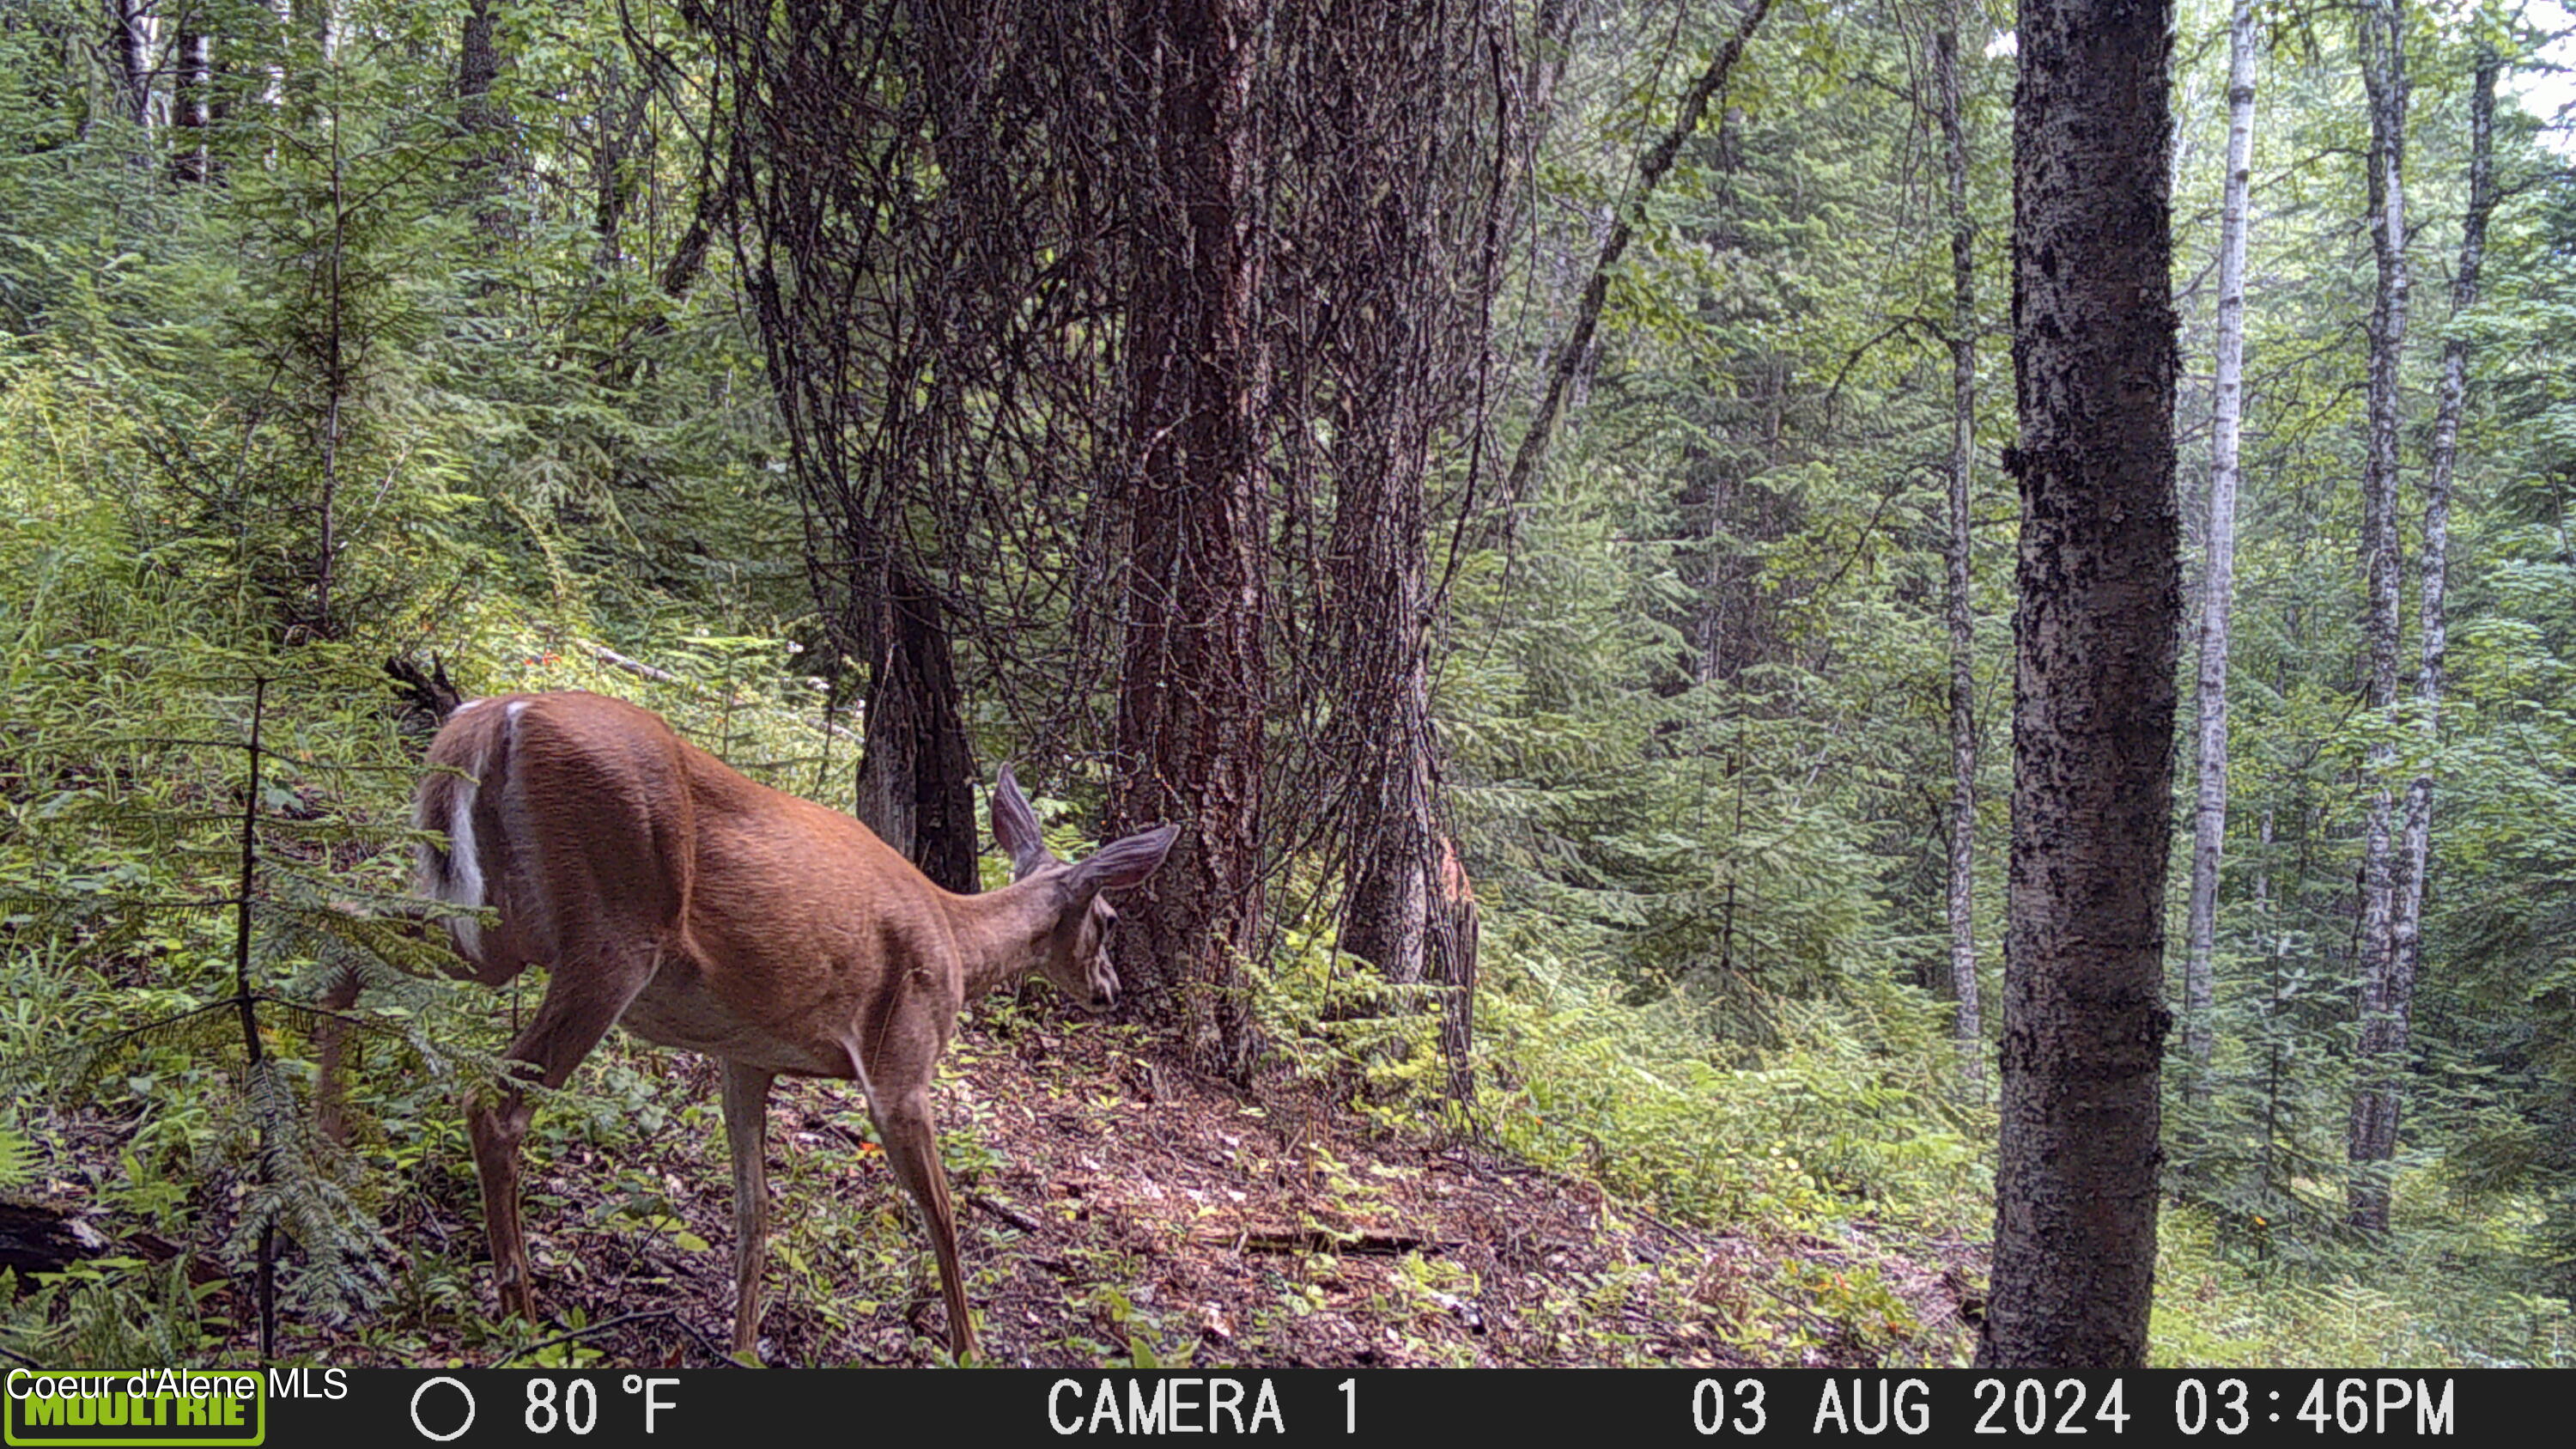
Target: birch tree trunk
point(2372, 1138)
point(1963, 443)
point(134, 60)
point(2093, 709)
point(2209, 815)
point(2406, 926)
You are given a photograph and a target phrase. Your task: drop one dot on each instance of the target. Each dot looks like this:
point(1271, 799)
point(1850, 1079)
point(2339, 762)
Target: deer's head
point(1073, 952)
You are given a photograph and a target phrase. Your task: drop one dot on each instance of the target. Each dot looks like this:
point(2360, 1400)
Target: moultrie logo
point(135, 1406)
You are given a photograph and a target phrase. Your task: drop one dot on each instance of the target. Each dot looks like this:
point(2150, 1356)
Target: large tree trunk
point(2218, 589)
point(916, 779)
point(1391, 225)
point(1963, 637)
point(1196, 678)
point(2084, 1018)
point(2406, 923)
point(2372, 1138)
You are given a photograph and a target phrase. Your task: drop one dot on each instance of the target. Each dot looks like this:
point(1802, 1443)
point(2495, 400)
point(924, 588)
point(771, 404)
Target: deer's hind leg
point(583, 1000)
point(330, 1079)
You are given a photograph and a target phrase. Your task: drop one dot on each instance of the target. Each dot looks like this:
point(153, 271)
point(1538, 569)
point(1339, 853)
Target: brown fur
point(701, 909)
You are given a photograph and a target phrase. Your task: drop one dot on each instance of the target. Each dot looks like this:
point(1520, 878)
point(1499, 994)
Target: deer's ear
point(1015, 825)
point(1126, 862)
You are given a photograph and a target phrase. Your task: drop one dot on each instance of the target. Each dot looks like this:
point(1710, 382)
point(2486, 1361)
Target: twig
point(580, 1333)
point(1007, 1213)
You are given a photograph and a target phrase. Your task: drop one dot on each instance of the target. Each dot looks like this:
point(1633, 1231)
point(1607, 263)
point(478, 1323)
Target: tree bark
point(1196, 679)
point(2372, 1137)
point(1963, 638)
point(2096, 636)
point(2218, 590)
point(1390, 227)
point(916, 778)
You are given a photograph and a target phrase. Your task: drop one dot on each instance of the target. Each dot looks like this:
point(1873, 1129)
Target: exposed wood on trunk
point(2100, 601)
point(1456, 929)
point(2218, 590)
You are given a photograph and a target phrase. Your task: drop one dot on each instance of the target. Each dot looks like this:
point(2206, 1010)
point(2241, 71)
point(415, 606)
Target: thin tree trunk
point(192, 89)
point(2372, 1139)
point(2209, 816)
point(1196, 679)
point(618, 118)
point(2096, 634)
point(335, 378)
point(1650, 174)
point(1963, 637)
point(2406, 927)
point(481, 118)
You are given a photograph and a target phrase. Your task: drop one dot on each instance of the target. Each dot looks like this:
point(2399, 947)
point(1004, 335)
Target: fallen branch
point(1650, 174)
point(1320, 1240)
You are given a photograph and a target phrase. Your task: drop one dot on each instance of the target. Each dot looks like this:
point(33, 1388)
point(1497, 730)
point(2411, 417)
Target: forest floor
point(1113, 1211)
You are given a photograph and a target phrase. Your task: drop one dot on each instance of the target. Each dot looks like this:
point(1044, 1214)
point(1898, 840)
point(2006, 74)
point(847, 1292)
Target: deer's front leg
point(912, 1148)
point(746, 1111)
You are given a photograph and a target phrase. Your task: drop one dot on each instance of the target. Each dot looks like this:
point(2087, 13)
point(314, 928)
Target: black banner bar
point(1570, 1408)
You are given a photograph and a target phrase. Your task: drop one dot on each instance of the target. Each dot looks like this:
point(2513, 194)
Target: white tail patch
point(461, 883)
point(466, 872)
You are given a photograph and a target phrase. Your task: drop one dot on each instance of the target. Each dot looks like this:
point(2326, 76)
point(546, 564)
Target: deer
point(699, 909)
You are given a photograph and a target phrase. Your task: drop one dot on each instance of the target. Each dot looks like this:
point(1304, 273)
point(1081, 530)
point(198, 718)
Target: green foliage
point(112, 1313)
point(1827, 1125)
